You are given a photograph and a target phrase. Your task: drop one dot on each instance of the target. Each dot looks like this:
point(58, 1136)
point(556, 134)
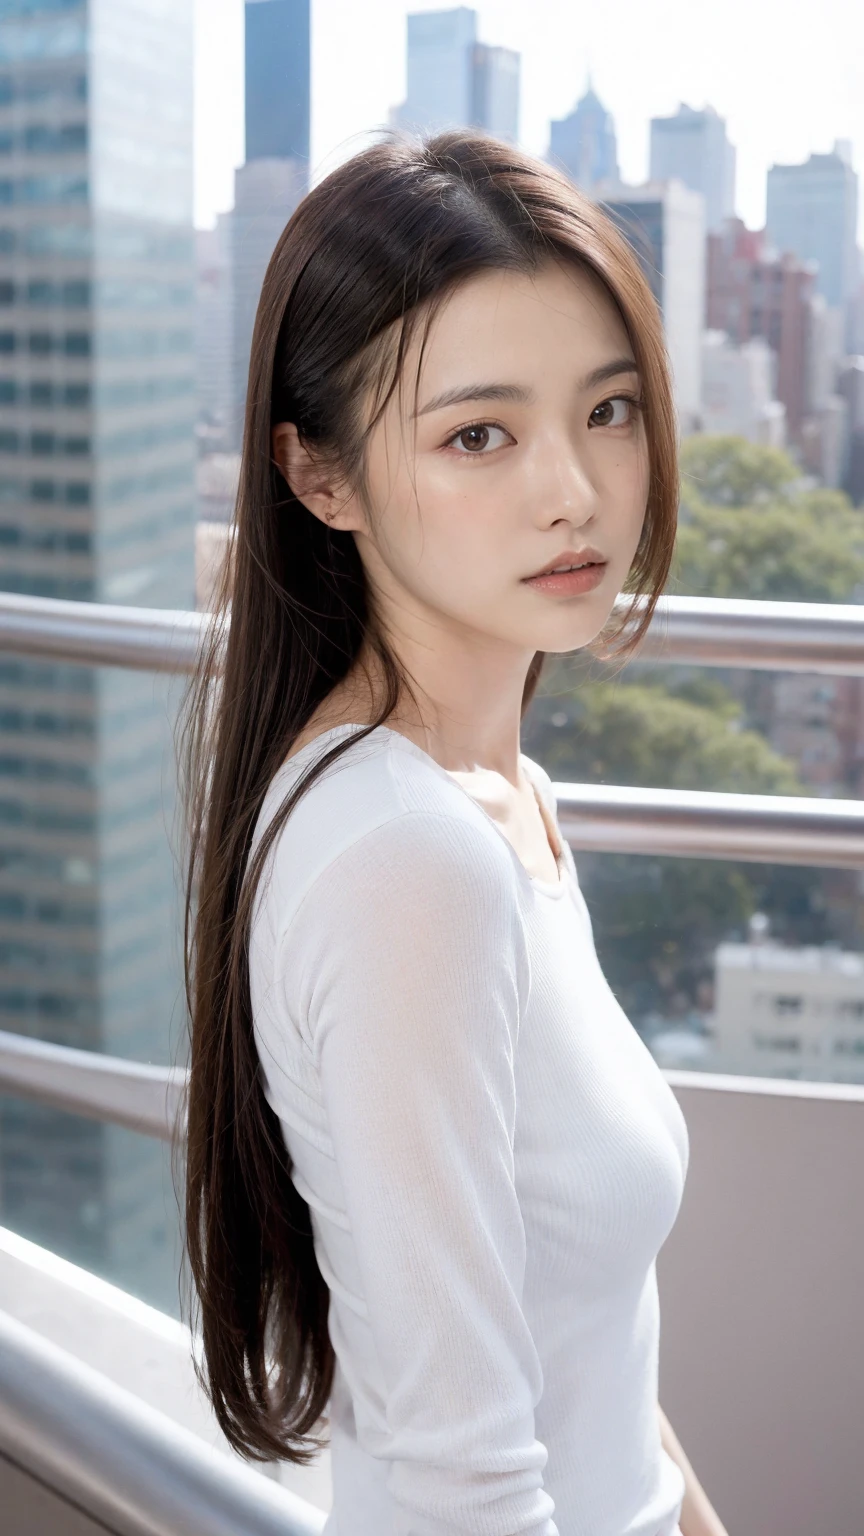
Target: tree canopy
point(732, 472)
point(752, 527)
point(627, 733)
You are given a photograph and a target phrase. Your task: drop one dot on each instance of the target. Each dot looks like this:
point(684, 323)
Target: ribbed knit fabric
point(491, 1157)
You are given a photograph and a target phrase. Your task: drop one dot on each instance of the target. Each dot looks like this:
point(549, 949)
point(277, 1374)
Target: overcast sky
point(788, 76)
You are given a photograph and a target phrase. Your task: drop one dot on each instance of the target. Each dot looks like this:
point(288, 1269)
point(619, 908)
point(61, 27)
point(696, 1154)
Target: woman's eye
point(478, 437)
point(612, 413)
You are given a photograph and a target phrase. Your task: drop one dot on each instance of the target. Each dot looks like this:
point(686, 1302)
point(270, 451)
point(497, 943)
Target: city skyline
point(358, 73)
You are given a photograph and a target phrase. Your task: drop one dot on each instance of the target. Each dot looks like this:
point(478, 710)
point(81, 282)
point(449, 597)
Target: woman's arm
point(698, 1515)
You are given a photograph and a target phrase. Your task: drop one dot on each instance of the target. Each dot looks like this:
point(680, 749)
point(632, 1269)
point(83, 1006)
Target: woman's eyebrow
point(519, 394)
point(516, 393)
point(612, 370)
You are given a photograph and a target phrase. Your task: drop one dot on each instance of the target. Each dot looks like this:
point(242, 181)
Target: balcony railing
point(757, 1181)
point(65, 1428)
point(704, 631)
point(816, 637)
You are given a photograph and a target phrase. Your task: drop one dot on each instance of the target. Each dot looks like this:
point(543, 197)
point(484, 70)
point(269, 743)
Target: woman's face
point(526, 451)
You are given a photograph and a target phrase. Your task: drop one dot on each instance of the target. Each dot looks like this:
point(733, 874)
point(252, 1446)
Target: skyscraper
point(268, 187)
point(277, 79)
point(495, 91)
point(692, 146)
point(665, 224)
point(97, 376)
point(813, 212)
point(584, 143)
point(453, 81)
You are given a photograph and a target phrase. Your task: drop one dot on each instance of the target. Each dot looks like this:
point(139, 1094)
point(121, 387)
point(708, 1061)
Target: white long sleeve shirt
point(490, 1155)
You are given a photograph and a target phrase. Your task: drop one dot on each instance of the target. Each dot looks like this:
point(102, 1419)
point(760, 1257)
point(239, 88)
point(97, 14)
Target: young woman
point(430, 1162)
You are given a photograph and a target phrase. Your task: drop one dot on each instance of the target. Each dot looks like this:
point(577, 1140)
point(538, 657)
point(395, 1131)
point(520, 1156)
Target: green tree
point(807, 550)
point(731, 472)
point(625, 733)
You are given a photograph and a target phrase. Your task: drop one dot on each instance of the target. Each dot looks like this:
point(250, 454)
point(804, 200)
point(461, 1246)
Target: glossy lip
point(569, 557)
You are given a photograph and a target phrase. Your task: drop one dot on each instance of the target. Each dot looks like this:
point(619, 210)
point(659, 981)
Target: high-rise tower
point(813, 212)
point(454, 81)
point(693, 146)
point(96, 504)
point(268, 187)
point(584, 143)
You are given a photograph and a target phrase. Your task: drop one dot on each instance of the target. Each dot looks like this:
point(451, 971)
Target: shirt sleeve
point(414, 966)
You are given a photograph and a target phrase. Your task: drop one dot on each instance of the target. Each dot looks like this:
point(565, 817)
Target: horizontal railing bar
point(765, 636)
point(704, 824)
point(122, 1462)
point(776, 829)
point(128, 1093)
point(703, 631)
point(101, 634)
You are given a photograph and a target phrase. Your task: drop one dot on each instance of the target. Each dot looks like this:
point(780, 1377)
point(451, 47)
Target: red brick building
point(753, 291)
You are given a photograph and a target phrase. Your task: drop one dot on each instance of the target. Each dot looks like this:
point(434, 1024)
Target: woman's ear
point(312, 481)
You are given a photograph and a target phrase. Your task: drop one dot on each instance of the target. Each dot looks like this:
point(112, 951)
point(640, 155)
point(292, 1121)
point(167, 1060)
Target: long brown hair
point(368, 255)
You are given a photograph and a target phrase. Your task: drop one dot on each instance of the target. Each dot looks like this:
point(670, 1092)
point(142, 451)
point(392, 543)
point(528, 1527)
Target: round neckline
point(554, 888)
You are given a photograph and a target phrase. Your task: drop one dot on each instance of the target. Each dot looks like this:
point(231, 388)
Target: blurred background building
point(693, 147)
point(812, 211)
point(97, 502)
point(584, 143)
point(665, 223)
point(751, 292)
point(453, 80)
point(275, 175)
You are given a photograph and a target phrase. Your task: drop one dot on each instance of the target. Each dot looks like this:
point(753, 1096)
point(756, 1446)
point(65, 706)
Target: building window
point(851, 1007)
point(8, 441)
point(849, 1047)
point(76, 445)
point(77, 344)
point(7, 293)
point(42, 443)
point(8, 341)
point(788, 1005)
point(777, 1042)
point(41, 392)
point(77, 394)
point(77, 493)
point(45, 139)
point(43, 490)
point(41, 343)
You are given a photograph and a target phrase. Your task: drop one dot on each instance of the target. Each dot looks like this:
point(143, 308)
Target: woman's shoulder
point(383, 797)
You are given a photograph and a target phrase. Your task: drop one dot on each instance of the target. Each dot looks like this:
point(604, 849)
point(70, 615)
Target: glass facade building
point(97, 409)
point(812, 211)
point(693, 146)
point(277, 79)
point(453, 81)
point(584, 143)
point(275, 176)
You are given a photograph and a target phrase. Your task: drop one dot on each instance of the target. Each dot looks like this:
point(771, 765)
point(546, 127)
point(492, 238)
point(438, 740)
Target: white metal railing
point(707, 631)
point(697, 824)
point(128, 1093)
point(704, 631)
point(122, 1464)
point(706, 824)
